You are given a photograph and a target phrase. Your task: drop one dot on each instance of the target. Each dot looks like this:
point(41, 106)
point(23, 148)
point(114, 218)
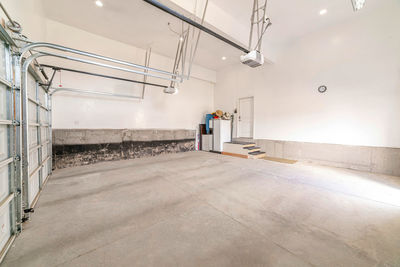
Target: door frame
point(252, 116)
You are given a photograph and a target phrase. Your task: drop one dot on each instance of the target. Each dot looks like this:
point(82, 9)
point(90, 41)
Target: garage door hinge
point(17, 158)
point(15, 123)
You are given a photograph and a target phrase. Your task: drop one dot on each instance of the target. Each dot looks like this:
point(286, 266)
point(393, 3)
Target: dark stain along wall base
point(79, 147)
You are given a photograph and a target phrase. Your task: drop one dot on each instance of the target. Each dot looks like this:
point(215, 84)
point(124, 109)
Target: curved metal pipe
point(105, 65)
point(88, 54)
point(55, 90)
point(24, 148)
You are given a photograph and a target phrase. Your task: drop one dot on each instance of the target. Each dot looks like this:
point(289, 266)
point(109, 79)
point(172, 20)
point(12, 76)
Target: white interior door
point(245, 120)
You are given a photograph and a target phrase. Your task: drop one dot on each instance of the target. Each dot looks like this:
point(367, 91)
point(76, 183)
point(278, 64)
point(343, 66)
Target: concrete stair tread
point(243, 144)
point(251, 147)
point(256, 153)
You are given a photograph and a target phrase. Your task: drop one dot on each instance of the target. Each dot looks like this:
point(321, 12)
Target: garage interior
point(199, 133)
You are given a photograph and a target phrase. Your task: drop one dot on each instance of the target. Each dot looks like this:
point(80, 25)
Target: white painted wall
point(158, 110)
point(30, 14)
point(359, 61)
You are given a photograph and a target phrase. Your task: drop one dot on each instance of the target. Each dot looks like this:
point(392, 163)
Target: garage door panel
point(3, 72)
point(33, 160)
point(43, 116)
point(33, 136)
point(4, 182)
point(44, 134)
point(4, 142)
point(4, 106)
point(33, 187)
point(32, 112)
point(5, 227)
point(42, 97)
point(45, 171)
point(45, 151)
point(31, 87)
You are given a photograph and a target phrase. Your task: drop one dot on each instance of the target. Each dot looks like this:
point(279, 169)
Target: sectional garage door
point(38, 140)
point(8, 167)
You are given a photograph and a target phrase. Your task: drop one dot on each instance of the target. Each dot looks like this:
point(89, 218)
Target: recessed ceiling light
point(98, 3)
point(323, 11)
point(223, 58)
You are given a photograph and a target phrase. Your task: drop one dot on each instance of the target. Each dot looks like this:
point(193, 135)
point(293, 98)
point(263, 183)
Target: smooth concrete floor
point(204, 209)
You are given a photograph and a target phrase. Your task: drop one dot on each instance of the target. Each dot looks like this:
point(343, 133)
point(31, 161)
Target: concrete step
point(243, 150)
point(257, 155)
point(252, 148)
point(243, 144)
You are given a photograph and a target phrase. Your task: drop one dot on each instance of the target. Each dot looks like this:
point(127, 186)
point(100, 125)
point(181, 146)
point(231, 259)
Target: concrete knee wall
point(364, 158)
point(74, 147)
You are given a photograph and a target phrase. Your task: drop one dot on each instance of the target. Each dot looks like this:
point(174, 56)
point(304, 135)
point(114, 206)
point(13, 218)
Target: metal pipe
point(24, 148)
point(51, 79)
point(55, 68)
point(106, 65)
point(88, 54)
point(55, 90)
point(8, 16)
point(146, 63)
point(192, 56)
point(195, 24)
point(22, 40)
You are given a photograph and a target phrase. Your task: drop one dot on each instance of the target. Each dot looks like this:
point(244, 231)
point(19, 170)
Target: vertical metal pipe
point(146, 63)
point(252, 23)
point(50, 129)
point(11, 136)
point(192, 56)
point(18, 142)
point(25, 133)
point(38, 134)
point(263, 26)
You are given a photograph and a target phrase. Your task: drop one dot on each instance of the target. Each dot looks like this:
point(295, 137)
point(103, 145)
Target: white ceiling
point(140, 24)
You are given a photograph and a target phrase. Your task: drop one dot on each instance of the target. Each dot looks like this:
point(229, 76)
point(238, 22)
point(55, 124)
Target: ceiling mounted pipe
point(195, 24)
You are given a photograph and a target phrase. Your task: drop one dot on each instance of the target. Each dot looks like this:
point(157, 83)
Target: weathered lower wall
point(364, 158)
point(75, 147)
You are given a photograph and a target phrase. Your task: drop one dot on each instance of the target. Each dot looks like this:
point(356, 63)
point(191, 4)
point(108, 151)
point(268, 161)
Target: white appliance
point(222, 133)
point(206, 142)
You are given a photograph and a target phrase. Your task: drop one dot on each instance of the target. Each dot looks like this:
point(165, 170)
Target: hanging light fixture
point(358, 4)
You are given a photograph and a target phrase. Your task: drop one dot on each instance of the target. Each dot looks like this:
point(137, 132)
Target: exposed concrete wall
point(75, 147)
point(372, 159)
point(105, 136)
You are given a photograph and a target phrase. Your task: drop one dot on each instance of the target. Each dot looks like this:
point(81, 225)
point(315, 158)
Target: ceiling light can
point(98, 3)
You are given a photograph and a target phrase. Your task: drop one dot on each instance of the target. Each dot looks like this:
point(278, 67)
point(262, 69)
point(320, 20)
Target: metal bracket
point(17, 158)
point(15, 123)
point(30, 210)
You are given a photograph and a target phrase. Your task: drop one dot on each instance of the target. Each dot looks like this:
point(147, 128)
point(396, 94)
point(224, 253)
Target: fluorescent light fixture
point(323, 11)
point(358, 4)
point(223, 58)
point(99, 3)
